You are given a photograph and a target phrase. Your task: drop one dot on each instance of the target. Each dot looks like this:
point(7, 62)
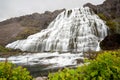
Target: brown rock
point(23, 26)
point(111, 42)
point(41, 78)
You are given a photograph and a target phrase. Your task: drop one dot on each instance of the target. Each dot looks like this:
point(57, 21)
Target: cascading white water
point(75, 30)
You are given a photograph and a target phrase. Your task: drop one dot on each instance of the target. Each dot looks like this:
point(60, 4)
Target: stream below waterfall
point(42, 63)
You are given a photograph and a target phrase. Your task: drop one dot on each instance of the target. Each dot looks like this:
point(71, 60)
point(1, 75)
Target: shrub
point(105, 67)
point(3, 49)
point(8, 71)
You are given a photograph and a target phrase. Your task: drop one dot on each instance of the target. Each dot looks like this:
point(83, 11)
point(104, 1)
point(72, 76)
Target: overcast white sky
point(12, 8)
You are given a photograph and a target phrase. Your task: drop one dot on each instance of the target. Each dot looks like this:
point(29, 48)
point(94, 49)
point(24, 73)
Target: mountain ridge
point(110, 8)
point(23, 26)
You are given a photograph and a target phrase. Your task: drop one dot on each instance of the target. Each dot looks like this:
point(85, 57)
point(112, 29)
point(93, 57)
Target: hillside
point(21, 27)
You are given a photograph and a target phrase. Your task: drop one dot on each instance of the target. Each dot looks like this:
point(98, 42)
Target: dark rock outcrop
point(21, 27)
point(111, 42)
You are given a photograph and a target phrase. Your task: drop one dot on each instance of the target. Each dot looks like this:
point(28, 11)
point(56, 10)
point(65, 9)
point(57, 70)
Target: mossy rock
point(113, 25)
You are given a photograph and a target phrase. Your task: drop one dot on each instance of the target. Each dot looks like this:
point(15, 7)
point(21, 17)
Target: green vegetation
point(102, 16)
point(8, 71)
point(105, 67)
point(5, 52)
point(3, 49)
point(111, 23)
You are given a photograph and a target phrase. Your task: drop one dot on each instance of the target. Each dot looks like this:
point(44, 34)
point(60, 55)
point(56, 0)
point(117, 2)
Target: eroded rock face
point(75, 30)
point(110, 8)
point(111, 42)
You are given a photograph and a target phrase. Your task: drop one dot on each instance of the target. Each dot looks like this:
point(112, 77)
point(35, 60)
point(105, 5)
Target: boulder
point(111, 42)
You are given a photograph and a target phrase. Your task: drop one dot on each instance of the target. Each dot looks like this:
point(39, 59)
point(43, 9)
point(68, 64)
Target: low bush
point(3, 49)
point(8, 71)
point(105, 67)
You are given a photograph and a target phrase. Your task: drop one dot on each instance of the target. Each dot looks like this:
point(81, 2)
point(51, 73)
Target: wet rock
point(111, 42)
point(41, 78)
point(79, 61)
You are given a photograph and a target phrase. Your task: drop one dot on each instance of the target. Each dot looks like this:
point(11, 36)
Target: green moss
point(102, 16)
point(113, 25)
point(3, 49)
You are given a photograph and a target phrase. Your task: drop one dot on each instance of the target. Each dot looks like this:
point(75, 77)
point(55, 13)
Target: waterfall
point(74, 30)
point(98, 47)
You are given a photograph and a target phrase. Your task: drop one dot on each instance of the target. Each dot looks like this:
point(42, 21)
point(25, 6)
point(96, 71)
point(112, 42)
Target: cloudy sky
point(12, 8)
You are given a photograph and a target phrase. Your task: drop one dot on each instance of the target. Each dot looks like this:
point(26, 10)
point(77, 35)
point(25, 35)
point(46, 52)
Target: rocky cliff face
point(21, 27)
point(110, 8)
